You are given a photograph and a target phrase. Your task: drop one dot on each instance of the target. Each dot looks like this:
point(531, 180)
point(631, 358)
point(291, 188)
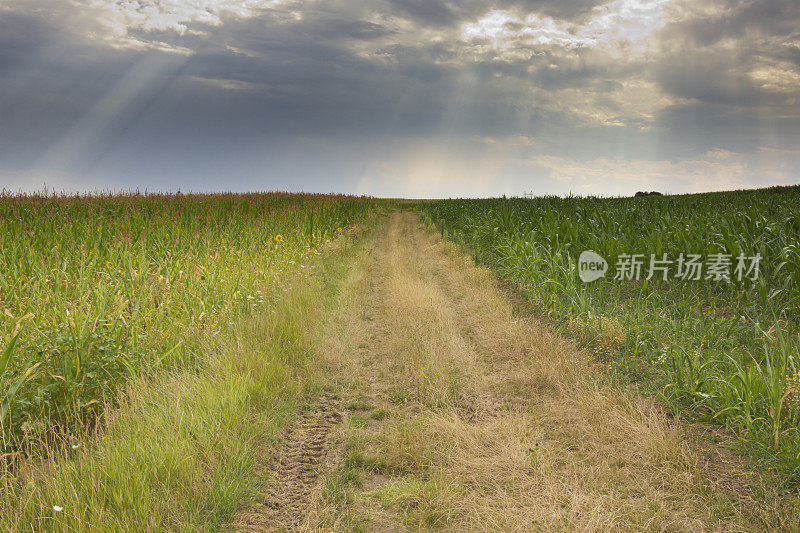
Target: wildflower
point(57, 508)
point(339, 230)
point(279, 238)
point(167, 235)
point(75, 446)
point(108, 264)
point(83, 247)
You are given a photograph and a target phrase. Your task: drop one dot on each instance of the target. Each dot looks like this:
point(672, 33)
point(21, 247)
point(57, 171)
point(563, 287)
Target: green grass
point(187, 447)
point(96, 290)
point(722, 352)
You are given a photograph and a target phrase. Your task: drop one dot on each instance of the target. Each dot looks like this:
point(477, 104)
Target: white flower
point(75, 446)
point(57, 508)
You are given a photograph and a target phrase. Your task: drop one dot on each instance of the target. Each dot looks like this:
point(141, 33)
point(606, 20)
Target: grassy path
point(445, 410)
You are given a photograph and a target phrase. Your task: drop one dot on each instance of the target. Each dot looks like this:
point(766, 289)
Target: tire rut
point(295, 471)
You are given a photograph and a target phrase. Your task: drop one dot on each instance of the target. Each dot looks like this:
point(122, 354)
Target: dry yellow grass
point(472, 418)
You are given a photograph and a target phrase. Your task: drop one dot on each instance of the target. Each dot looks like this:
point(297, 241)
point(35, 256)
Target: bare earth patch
point(295, 472)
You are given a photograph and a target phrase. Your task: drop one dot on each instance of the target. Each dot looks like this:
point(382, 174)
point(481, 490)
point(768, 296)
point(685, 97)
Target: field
point(96, 290)
point(308, 362)
point(728, 350)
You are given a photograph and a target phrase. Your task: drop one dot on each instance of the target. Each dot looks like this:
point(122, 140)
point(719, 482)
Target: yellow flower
point(339, 230)
point(83, 247)
point(167, 235)
point(279, 238)
point(108, 264)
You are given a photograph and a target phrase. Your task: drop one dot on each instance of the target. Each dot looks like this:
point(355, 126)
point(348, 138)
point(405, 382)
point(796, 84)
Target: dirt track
point(454, 413)
point(295, 471)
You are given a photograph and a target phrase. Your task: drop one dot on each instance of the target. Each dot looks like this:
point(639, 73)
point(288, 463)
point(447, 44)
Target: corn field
point(94, 290)
point(726, 349)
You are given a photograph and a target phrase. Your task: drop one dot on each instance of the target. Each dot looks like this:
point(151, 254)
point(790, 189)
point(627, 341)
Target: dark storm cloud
point(438, 13)
point(428, 12)
point(739, 20)
point(708, 56)
point(713, 77)
point(20, 37)
point(302, 77)
point(356, 76)
point(735, 67)
point(572, 10)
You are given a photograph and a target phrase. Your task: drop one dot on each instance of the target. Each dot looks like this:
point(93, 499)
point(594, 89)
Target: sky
point(399, 98)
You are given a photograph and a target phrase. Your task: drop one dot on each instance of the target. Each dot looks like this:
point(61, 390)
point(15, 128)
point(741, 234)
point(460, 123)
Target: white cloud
point(621, 22)
point(120, 16)
point(777, 76)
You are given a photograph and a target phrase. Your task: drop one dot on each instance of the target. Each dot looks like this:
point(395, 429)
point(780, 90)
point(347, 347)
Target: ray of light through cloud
point(146, 76)
point(400, 97)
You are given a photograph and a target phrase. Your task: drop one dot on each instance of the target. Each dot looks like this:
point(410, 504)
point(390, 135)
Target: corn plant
point(729, 345)
point(9, 394)
point(119, 285)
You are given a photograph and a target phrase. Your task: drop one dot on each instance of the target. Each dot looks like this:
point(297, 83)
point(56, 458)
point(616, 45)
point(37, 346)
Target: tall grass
point(187, 448)
point(727, 351)
point(94, 290)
